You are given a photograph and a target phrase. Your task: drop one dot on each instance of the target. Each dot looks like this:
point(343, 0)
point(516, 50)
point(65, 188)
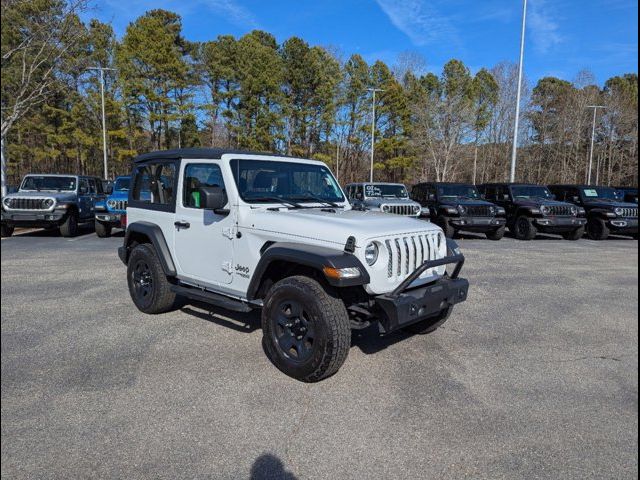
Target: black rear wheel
point(443, 223)
point(597, 229)
point(7, 230)
point(306, 330)
point(149, 287)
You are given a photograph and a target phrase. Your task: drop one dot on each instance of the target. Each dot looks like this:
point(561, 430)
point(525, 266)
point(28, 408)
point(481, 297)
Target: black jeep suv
point(458, 206)
point(533, 208)
point(606, 212)
point(628, 194)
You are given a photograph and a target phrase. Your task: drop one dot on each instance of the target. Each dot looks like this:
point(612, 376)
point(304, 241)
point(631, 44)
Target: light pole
point(514, 151)
point(373, 126)
point(104, 121)
point(593, 134)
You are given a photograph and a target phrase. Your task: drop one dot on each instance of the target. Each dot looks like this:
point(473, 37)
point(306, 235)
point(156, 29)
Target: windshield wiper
point(311, 196)
point(276, 200)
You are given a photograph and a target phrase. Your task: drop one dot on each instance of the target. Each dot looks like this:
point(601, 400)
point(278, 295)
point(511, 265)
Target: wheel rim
point(522, 227)
point(142, 281)
point(293, 331)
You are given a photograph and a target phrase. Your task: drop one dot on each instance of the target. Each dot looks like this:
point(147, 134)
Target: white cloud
point(543, 25)
point(419, 21)
point(236, 13)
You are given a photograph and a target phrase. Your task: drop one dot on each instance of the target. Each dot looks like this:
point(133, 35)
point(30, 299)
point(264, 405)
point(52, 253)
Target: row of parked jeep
point(525, 209)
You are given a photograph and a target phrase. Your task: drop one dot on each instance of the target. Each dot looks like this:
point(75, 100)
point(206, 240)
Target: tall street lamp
point(593, 134)
point(373, 126)
point(104, 121)
point(514, 151)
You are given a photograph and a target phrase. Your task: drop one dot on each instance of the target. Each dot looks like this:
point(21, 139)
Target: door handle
point(180, 225)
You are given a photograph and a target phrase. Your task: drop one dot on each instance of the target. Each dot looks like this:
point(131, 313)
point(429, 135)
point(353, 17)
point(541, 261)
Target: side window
point(490, 192)
point(99, 188)
point(360, 192)
point(83, 186)
point(198, 175)
point(154, 184)
point(92, 186)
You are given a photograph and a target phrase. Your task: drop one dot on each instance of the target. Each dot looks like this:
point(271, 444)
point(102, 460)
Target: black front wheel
point(7, 230)
point(69, 228)
point(525, 229)
point(149, 287)
point(103, 230)
point(496, 234)
point(597, 229)
point(446, 227)
point(306, 330)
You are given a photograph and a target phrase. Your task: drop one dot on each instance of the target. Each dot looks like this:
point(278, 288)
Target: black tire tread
point(496, 234)
point(604, 230)
point(532, 232)
point(69, 228)
point(102, 230)
point(7, 231)
point(574, 235)
point(443, 223)
point(337, 322)
point(164, 298)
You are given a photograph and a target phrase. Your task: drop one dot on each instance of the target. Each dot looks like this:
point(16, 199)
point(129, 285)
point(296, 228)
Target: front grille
point(479, 211)
point(399, 209)
point(561, 210)
point(405, 254)
point(117, 204)
point(28, 204)
point(629, 212)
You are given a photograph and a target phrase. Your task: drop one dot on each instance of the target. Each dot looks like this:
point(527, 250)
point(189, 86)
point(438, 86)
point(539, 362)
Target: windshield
point(121, 184)
point(383, 190)
point(458, 191)
point(531, 191)
point(42, 182)
point(263, 181)
point(600, 193)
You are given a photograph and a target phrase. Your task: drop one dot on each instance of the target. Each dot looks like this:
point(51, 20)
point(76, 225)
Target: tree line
point(164, 91)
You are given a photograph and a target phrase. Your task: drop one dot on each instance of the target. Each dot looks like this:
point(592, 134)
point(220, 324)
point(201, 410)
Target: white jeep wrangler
point(241, 231)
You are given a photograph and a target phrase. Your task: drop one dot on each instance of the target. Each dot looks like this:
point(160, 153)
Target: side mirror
point(213, 198)
point(575, 199)
point(483, 196)
point(431, 197)
point(83, 190)
point(505, 197)
point(358, 196)
point(553, 196)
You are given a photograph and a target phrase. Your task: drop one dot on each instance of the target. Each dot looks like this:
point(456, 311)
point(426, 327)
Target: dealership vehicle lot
point(535, 376)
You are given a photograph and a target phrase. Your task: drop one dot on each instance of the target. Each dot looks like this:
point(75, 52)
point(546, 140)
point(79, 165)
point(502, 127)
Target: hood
point(541, 201)
point(468, 202)
point(59, 196)
point(605, 203)
point(119, 195)
point(336, 226)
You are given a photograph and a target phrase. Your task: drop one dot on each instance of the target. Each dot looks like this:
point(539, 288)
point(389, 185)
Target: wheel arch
point(282, 260)
point(146, 232)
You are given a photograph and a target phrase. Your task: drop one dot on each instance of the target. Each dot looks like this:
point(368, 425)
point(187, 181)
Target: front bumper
point(480, 224)
point(559, 224)
point(628, 226)
point(33, 219)
point(405, 306)
point(113, 219)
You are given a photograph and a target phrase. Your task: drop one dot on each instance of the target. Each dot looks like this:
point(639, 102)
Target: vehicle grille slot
point(415, 253)
point(630, 212)
point(560, 210)
point(399, 268)
point(479, 211)
point(27, 204)
point(390, 262)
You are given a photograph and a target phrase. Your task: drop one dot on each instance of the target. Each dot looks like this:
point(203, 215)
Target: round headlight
point(462, 210)
point(6, 201)
point(416, 208)
point(47, 202)
point(371, 253)
point(574, 211)
point(385, 208)
point(111, 204)
point(618, 211)
point(545, 210)
point(492, 210)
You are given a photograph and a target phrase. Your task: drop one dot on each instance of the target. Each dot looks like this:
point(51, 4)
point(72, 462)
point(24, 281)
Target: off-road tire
point(69, 228)
point(496, 234)
point(524, 229)
point(428, 325)
point(597, 229)
point(443, 223)
point(328, 318)
point(6, 230)
point(144, 265)
point(102, 229)
point(574, 235)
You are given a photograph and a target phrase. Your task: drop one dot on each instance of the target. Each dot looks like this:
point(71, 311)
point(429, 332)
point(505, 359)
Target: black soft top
point(209, 153)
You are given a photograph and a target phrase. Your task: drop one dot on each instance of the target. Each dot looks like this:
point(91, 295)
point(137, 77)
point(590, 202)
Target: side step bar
point(214, 299)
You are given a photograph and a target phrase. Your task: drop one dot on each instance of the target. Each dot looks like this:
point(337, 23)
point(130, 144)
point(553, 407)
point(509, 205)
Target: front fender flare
point(308, 256)
point(154, 233)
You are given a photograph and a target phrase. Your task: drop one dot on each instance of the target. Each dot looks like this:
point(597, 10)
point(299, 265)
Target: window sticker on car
point(590, 193)
point(373, 191)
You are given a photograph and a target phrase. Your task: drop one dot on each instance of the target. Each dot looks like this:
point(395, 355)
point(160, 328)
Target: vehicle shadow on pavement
point(369, 340)
point(268, 466)
point(54, 232)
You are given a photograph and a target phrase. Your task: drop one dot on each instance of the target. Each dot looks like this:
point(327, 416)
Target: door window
point(197, 175)
point(153, 186)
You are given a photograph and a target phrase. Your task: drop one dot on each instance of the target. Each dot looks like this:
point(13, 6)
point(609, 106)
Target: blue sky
point(563, 36)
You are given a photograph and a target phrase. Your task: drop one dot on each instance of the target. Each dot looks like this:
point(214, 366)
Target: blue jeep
point(112, 211)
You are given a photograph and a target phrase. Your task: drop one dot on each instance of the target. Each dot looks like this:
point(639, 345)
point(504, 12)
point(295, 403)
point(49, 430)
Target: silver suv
point(382, 197)
point(248, 231)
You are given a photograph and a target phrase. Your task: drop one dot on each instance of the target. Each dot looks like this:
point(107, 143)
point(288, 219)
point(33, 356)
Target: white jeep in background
point(243, 231)
point(383, 197)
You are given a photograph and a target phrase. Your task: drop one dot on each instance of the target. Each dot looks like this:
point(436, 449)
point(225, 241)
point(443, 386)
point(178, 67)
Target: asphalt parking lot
point(535, 376)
